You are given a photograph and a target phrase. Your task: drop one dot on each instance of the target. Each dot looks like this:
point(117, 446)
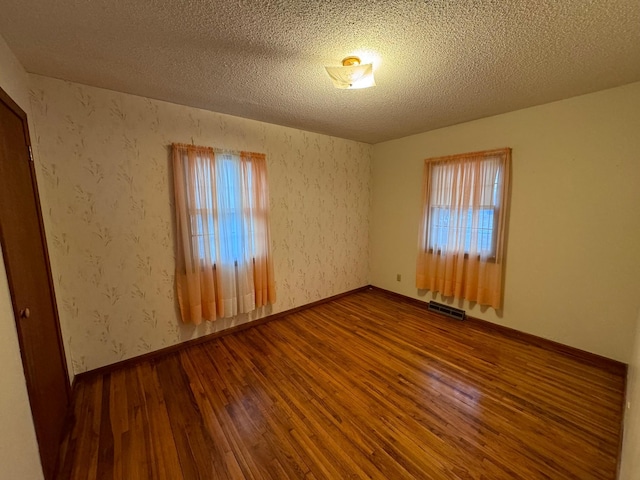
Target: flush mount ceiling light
point(351, 74)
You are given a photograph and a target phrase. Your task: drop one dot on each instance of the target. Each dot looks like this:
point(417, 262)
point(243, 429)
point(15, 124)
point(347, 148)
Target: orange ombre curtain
point(195, 270)
point(461, 242)
point(223, 256)
point(256, 212)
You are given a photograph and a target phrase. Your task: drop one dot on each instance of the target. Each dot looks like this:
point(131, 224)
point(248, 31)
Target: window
point(462, 227)
point(233, 241)
point(454, 227)
point(223, 259)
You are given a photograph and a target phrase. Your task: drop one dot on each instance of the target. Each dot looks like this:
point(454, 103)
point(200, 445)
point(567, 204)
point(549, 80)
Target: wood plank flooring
point(366, 386)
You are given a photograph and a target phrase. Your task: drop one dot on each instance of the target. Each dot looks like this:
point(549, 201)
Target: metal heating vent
point(447, 310)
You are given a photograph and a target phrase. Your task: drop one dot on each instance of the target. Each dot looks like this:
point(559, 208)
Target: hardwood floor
point(363, 386)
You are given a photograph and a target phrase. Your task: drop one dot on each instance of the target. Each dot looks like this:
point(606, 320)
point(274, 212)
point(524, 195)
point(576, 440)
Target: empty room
point(325, 240)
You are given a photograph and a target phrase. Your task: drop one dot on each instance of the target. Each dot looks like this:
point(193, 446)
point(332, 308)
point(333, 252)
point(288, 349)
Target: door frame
point(31, 387)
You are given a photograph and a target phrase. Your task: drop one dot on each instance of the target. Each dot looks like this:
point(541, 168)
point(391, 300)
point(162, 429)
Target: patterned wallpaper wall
point(105, 185)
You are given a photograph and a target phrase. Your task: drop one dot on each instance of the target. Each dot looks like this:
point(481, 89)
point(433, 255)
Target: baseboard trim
point(610, 365)
point(206, 338)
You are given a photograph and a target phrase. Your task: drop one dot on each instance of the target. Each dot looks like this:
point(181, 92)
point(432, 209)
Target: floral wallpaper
point(104, 176)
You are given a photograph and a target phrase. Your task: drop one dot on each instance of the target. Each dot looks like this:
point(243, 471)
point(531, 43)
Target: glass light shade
point(352, 76)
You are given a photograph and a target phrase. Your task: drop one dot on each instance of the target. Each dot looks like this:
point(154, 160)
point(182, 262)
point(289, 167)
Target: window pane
point(223, 226)
point(470, 230)
point(229, 202)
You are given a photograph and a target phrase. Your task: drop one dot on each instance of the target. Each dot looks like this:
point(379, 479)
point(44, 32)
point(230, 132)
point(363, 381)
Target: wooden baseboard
point(207, 338)
point(608, 364)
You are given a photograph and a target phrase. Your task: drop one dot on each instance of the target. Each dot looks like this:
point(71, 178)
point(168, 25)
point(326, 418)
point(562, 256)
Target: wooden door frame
point(31, 388)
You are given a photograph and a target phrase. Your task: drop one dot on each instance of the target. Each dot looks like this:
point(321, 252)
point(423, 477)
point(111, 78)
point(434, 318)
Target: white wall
point(573, 252)
point(19, 456)
point(630, 467)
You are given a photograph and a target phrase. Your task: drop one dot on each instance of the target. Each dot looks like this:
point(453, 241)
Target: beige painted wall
point(18, 447)
point(104, 162)
point(574, 236)
point(630, 466)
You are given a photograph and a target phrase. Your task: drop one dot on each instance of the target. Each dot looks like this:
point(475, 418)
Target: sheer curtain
point(223, 259)
point(461, 242)
point(256, 203)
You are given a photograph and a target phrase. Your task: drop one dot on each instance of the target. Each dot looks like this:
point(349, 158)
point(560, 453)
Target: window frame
point(216, 213)
point(494, 235)
point(497, 207)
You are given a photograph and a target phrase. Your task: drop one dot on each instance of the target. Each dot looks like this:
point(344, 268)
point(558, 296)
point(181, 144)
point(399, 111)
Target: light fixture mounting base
point(350, 61)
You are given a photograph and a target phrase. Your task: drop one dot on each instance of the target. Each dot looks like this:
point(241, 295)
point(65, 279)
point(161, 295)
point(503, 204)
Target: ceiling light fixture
point(351, 74)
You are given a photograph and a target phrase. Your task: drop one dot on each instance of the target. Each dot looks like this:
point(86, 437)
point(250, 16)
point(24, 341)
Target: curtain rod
point(215, 150)
point(482, 153)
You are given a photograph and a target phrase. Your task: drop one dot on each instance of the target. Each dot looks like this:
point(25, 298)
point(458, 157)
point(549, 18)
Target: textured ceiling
point(437, 63)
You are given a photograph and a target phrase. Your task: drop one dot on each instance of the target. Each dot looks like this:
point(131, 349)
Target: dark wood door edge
point(7, 100)
point(33, 389)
